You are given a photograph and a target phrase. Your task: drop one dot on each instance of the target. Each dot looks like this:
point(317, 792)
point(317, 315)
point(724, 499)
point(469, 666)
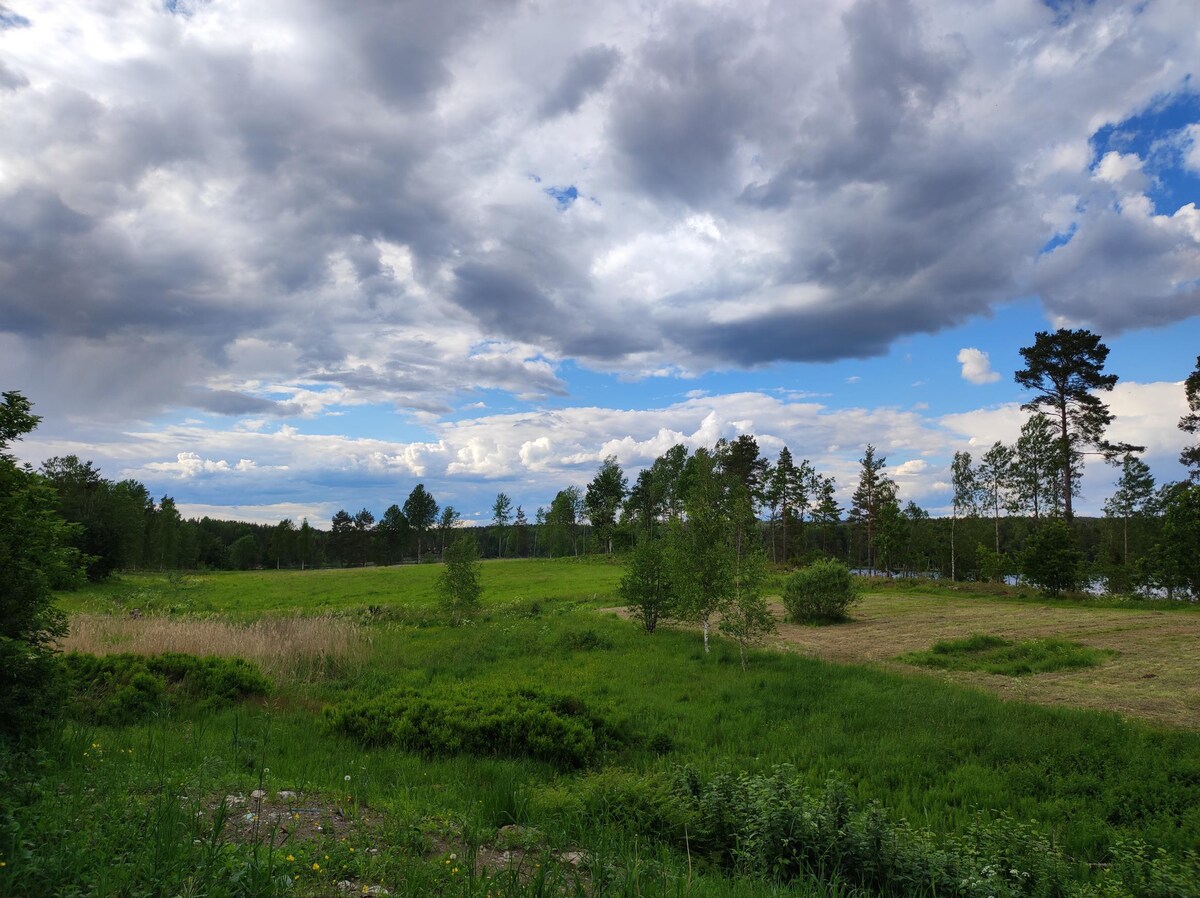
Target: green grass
point(943, 757)
point(994, 655)
point(408, 587)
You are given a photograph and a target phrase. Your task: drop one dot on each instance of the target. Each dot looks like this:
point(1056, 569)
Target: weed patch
point(522, 723)
point(992, 654)
point(118, 689)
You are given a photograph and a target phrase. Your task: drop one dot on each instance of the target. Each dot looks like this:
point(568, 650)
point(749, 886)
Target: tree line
point(1009, 507)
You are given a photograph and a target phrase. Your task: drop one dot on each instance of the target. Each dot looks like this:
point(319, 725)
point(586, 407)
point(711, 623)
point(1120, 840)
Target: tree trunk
point(706, 634)
point(953, 528)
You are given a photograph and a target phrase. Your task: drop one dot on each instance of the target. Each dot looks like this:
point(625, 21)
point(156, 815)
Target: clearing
point(1154, 676)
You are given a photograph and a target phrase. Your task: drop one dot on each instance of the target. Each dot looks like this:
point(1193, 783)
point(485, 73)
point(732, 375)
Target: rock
point(258, 794)
point(574, 858)
point(233, 801)
point(287, 795)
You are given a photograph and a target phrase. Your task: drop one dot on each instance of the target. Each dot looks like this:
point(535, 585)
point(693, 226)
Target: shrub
point(119, 689)
point(820, 593)
point(646, 587)
point(458, 583)
point(524, 723)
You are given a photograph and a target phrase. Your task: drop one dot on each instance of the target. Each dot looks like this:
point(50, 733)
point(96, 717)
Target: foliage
point(992, 565)
point(122, 688)
point(1065, 371)
point(1174, 562)
point(35, 556)
point(420, 510)
point(603, 499)
point(647, 588)
point(992, 654)
point(1051, 561)
point(558, 729)
point(747, 619)
point(820, 593)
point(875, 489)
point(459, 583)
point(1190, 423)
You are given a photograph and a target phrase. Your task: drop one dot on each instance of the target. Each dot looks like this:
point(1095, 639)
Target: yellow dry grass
point(296, 648)
point(1154, 676)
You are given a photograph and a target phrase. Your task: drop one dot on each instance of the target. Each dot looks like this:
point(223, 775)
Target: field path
point(1155, 676)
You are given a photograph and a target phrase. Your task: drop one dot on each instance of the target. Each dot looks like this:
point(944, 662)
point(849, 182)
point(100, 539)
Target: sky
point(278, 258)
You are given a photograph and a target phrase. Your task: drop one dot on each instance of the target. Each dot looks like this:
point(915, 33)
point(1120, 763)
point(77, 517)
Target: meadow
point(874, 775)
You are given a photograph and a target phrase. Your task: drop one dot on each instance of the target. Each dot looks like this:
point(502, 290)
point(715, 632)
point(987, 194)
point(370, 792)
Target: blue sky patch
point(563, 196)
point(10, 19)
point(1157, 136)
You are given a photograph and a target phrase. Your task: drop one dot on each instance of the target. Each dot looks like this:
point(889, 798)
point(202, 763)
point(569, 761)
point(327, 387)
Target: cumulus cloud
point(976, 366)
point(352, 188)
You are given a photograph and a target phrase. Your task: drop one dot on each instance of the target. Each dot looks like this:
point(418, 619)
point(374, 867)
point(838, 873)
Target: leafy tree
point(1037, 469)
point(603, 499)
point(393, 533)
point(747, 619)
point(243, 554)
point(873, 488)
point(646, 587)
point(1190, 423)
point(644, 505)
point(1065, 371)
point(283, 542)
point(1174, 561)
point(447, 522)
point(1134, 497)
point(36, 556)
point(421, 511)
point(520, 529)
point(1051, 560)
point(890, 527)
point(965, 501)
point(501, 510)
point(700, 552)
point(995, 478)
point(667, 472)
point(458, 582)
point(561, 522)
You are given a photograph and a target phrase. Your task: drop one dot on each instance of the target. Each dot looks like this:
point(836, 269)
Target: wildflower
point(352, 849)
point(316, 868)
point(3, 863)
point(291, 858)
point(346, 777)
point(453, 870)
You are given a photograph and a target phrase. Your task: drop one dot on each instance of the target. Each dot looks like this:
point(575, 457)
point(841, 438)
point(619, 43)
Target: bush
point(524, 723)
point(820, 593)
point(120, 689)
point(458, 583)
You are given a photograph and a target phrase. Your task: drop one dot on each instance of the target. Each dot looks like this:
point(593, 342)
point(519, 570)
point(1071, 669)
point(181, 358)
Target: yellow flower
point(352, 850)
point(317, 867)
point(291, 858)
point(454, 870)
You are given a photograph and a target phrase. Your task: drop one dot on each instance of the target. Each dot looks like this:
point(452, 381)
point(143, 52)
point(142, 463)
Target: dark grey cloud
point(586, 72)
point(348, 191)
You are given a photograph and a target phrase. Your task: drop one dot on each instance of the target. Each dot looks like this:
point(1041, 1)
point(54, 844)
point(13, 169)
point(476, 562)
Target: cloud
point(277, 206)
point(976, 366)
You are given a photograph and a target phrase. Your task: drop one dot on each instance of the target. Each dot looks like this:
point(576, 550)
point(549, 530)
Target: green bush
point(522, 723)
point(118, 689)
point(770, 825)
point(820, 593)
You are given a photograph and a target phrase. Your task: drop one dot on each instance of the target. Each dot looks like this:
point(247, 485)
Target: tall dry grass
point(294, 648)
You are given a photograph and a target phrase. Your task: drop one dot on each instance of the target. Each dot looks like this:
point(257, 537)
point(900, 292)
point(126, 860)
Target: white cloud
point(976, 366)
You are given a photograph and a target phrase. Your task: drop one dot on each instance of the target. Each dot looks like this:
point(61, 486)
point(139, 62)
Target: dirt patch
point(1155, 675)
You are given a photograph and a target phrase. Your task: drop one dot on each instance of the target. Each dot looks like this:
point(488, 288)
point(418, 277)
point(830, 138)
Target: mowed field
point(1155, 674)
